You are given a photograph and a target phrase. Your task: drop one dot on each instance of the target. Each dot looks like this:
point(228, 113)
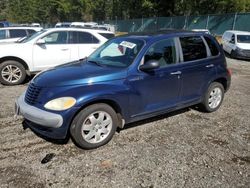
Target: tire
point(213, 97)
point(94, 126)
point(233, 54)
point(12, 73)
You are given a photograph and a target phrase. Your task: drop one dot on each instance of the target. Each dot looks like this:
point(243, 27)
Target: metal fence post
point(235, 17)
point(207, 21)
point(185, 24)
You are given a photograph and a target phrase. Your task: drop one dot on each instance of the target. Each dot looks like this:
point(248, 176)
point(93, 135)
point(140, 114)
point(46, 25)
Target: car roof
point(34, 28)
point(79, 29)
point(238, 32)
point(150, 35)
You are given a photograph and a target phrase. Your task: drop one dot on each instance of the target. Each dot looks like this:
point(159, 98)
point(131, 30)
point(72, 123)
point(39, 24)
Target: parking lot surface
point(186, 148)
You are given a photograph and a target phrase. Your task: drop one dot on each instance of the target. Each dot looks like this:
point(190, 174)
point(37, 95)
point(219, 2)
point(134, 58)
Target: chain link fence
point(216, 24)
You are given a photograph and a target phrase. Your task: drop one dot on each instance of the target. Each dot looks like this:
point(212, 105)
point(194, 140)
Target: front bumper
point(36, 115)
point(242, 55)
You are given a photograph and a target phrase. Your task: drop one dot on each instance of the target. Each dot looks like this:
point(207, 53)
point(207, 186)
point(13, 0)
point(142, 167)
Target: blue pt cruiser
point(127, 79)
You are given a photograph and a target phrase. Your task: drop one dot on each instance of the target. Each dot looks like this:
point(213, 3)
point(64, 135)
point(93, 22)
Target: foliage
point(52, 11)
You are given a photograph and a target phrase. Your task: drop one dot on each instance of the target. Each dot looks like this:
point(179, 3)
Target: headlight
point(58, 104)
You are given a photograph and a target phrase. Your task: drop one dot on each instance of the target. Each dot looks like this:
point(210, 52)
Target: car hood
point(78, 73)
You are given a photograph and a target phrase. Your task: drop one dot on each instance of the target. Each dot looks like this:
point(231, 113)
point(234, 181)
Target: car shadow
point(156, 118)
point(127, 126)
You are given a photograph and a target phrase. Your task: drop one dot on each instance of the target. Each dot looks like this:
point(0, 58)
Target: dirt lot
point(183, 149)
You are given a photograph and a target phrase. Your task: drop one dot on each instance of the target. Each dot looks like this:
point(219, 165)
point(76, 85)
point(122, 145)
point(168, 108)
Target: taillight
point(229, 71)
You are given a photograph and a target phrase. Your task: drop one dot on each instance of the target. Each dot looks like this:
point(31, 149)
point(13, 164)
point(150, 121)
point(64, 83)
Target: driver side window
point(56, 38)
point(163, 51)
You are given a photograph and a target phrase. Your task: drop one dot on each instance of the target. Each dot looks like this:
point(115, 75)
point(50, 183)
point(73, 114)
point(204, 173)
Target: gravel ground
point(182, 149)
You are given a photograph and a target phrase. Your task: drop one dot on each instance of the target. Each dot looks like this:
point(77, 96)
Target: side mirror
point(150, 65)
point(40, 42)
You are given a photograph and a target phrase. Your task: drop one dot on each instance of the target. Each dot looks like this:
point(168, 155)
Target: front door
point(55, 51)
point(159, 89)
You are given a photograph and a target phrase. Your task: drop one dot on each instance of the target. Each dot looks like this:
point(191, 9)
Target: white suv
point(13, 34)
point(45, 49)
point(237, 44)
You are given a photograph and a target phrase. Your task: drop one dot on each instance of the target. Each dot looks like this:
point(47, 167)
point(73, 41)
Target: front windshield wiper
point(94, 62)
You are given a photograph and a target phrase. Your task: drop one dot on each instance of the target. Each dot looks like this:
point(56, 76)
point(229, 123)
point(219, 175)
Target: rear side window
point(73, 37)
point(76, 37)
point(15, 33)
point(107, 35)
point(193, 48)
point(3, 34)
point(87, 38)
point(212, 46)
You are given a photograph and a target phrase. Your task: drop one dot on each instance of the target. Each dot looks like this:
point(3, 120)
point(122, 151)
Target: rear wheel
point(94, 126)
point(12, 73)
point(213, 97)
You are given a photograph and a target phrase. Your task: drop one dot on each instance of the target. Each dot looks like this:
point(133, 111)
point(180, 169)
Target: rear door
point(87, 43)
point(197, 68)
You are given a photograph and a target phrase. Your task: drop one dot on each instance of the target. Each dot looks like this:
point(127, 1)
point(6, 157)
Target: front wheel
point(12, 73)
point(94, 126)
point(213, 97)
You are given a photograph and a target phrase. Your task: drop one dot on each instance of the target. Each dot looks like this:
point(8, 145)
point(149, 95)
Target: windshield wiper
point(94, 62)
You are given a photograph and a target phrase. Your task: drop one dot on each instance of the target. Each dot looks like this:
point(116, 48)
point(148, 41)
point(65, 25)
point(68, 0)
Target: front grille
point(32, 94)
point(247, 52)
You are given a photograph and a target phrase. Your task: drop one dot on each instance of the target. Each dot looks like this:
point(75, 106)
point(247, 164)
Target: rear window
point(212, 46)
point(107, 35)
point(3, 34)
point(15, 33)
point(193, 48)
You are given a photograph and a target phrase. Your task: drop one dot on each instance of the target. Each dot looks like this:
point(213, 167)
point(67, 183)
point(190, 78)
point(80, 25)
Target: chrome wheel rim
point(11, 73)
point(215, 98)
point(96, 127)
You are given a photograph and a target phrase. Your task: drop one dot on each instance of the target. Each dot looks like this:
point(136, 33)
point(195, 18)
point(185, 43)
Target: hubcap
point(96, 127)
point(11, 73)
point(215, 98)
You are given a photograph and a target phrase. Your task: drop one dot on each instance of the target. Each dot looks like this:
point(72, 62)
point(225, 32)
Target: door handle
point(64, 49)
point(209, 66)
point(176, 73)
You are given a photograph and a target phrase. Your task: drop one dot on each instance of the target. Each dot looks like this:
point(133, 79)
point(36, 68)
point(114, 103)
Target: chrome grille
point(32, 94)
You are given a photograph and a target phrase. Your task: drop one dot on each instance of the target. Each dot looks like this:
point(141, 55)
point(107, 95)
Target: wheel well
point(15, 59)
point(111, 103)
point(223, 81)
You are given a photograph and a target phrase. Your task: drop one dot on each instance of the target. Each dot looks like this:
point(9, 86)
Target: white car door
point(87, 43)
point(55, 51)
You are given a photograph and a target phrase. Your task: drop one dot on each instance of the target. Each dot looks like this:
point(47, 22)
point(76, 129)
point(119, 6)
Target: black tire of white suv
point(12, 73)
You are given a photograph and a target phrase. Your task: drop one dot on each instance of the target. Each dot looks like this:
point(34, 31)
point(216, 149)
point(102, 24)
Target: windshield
point(119, 52)
point(243, 38)
point(30, 37)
